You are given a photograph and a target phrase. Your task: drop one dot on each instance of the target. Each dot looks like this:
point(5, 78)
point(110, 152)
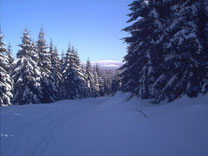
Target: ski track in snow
point(106, 126)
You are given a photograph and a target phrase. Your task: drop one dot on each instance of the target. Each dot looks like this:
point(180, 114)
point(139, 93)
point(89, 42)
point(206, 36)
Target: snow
point(146, 2)
point(108, 63)
point(106, 126)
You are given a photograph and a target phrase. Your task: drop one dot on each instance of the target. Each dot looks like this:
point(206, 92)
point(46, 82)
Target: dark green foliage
point(167, 52)
point(49, 89)
point(56, 74)
point(74, 85)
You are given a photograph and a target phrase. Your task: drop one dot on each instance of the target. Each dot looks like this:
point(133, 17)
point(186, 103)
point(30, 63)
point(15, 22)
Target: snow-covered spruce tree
point(56, 68)
point(96, 81)
point(141, 62)
point(167, 52)
point(84, 75)
point(185, 51)
point(107, 76)
point(49, 89)
point(62, 64)
point(100, 81)
point(205, 29)
point(6, 83)
point(11, 58)
point(74, 84)
point(115, 84)
point(26, 74)
point(62, 60)
point(107, 87)
point(90, 77)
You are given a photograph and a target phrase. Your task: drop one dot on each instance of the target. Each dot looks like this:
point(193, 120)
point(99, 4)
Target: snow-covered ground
point(106, 126)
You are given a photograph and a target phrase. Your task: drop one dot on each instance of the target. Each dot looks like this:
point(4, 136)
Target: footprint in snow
point(18, 114)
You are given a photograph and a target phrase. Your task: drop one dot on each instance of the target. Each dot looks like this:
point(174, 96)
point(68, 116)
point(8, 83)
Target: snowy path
point(106, 127)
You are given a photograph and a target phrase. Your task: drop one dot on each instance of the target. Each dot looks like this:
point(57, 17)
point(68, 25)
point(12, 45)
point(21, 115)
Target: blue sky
point(92, 26)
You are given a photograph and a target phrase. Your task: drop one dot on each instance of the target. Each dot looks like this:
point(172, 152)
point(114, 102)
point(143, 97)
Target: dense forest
point(39, 75)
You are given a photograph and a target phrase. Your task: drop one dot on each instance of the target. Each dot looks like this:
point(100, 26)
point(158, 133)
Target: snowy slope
point(106, 127)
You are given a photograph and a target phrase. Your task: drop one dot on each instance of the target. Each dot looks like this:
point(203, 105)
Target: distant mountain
point(108, 64)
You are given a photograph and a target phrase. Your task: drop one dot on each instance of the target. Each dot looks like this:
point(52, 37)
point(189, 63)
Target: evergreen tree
point(56, 68)
point(204, 24)
point(73, 79)
point(115, 84)
point(62, 64)
point(96, 81)
point(62, 59)
point(184, 49)
point(49, 89)
point(90, 79)
point(100, 81)
point(57, 63)
point(140, 69)
point(11, 58)
point(107, 87)
point(167, 52)
point(6, 84)
point(26, 74)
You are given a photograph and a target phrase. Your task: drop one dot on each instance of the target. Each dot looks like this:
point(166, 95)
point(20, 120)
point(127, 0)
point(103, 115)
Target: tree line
point(38, 75)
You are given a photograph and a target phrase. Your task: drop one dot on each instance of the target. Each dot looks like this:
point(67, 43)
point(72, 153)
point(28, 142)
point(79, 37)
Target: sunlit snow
point(106, 126)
